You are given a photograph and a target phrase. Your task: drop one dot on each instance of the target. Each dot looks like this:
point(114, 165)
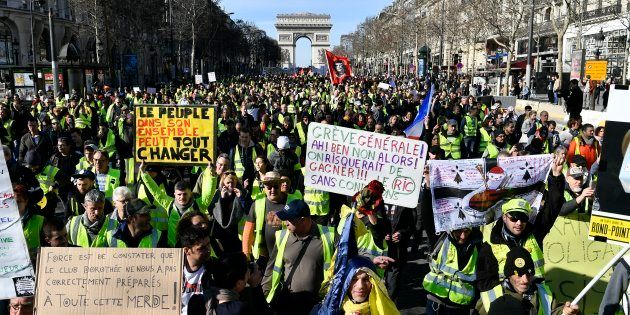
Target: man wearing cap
point(87, 161)
point(183, 200)
point(451, 141)
point(262, 222)
point(136, 231)
point(514, 229)
point(64, 157)
point(577, 197)
point(88, 229)
point(83, 181)
point(521, 292)
point(301, 254)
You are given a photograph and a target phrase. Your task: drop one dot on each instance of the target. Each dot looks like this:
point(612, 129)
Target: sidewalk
point(540, 102)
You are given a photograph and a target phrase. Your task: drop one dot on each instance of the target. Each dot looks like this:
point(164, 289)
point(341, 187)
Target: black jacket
point(487, 264)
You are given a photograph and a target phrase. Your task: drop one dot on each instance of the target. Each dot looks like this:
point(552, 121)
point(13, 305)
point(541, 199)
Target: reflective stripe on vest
point(545, 297)
point(452, 147)
point(500, 252)
point(301, 134)
point(485, 139)
point(149, 241)
point(173, 219)
point(446, 281)
point(470, 129)
point(46, 178)
point(317, 200)
point(326, 235)
point(577, 146)
point(259, 210)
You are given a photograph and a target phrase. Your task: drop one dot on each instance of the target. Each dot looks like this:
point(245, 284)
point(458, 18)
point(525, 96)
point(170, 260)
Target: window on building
point(8, 49)
point(547, 16)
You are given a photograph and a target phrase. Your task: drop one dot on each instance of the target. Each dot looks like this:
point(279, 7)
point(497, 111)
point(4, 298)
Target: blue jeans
point(434, 308)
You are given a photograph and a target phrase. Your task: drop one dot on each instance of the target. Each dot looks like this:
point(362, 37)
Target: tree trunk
point(192, 52)
point(508, 66)
point(560, 60)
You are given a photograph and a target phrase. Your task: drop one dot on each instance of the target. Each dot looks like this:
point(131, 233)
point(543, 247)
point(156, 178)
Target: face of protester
point(33, 127)
point(378, 128)
point(600, 133)
point(21, 306)
point(57, 238)
point(500, 139)
point(198, 253)
point(182, 197)
point(532, 115)
point(588, 133)
point(199, 221)
point(544, 117)
point(243, 139)
point(461, 236)
point(260, 165)
point(521, 283)
point(94, 210)
point(575, 183)
point(222, 165)
point(451, 129)
point(273, 192)
point(63, 147)
point(100, 162)
point(360, 287)
point(140, 222)
point(509, 129)
point(516, 228)
point(84, 185)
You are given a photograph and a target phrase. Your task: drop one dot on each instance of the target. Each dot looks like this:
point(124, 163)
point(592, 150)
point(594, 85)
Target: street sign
point(596, 69)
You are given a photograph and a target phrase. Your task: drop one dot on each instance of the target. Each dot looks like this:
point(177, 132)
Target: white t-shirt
point(192, 286)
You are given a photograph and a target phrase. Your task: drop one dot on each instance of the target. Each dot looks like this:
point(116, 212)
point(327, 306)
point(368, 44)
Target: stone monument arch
point(315, 27)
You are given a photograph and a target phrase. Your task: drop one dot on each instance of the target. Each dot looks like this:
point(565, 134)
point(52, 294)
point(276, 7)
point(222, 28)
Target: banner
point(470, 192)
point(343, 160)
point(596, 69)
point(338, 67)
point(611, 222)
point(175, 134)
point(577, 66)
point(17, 277)
point(109, 280)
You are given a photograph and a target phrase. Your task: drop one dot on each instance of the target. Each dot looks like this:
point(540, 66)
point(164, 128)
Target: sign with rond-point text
point(175, 134)
point(109, 281)
point(343, 160)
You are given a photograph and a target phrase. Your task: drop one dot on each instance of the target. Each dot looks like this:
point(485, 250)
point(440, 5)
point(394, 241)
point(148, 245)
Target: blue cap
point(294, 210)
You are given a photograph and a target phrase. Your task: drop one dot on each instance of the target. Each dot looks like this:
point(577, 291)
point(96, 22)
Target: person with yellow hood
point(365, 291)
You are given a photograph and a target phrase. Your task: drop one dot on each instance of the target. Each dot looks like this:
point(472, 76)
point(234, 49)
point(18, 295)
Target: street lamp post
point(53, 54)
point(33, 49)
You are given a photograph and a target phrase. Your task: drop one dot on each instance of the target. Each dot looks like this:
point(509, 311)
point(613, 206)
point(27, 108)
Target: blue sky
point(345, 14)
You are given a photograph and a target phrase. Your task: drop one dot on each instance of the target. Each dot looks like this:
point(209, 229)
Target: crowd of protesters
point(256, 240)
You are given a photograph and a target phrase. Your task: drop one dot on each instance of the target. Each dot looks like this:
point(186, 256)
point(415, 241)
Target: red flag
point(338, 67)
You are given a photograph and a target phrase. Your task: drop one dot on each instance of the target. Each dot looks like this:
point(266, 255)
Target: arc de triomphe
point(315, 27)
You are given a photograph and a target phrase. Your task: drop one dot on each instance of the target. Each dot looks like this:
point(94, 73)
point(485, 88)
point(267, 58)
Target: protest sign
point(596, 69)
point(384, 86)
point(109, 280)
point(343, 160)
point(175, 134)
point(468, 192)
point(16, 271)
point(212, 77)
point(577, 65)
point(151, 90)
point(198, 79)
point(611, 222)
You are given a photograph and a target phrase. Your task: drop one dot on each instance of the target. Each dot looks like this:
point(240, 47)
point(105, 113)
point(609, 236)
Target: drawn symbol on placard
point(461, 214)
point(527, 176)
point(458, 179)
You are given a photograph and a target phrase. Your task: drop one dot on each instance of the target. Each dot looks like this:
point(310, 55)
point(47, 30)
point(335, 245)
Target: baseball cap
point(518, 261)
point(452, 122)
point(137, 206)
point(576, 172)
point(90, 145)
point(84, 174)
point(294, 210)
point(283, 143)
point(517, 206)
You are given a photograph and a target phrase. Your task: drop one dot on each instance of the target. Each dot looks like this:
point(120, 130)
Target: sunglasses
point(518, 218)
point(270, 186)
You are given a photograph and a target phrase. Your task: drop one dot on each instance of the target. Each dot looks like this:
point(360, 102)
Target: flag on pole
point(414, 131)
point(338, 67)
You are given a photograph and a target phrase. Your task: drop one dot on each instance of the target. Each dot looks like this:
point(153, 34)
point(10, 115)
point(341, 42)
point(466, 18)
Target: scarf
point(235, 214)
point(182, 208)
point(378, 302)
point(92, 228)
point(588, 141)
point(511, 238)
point(351, 308)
